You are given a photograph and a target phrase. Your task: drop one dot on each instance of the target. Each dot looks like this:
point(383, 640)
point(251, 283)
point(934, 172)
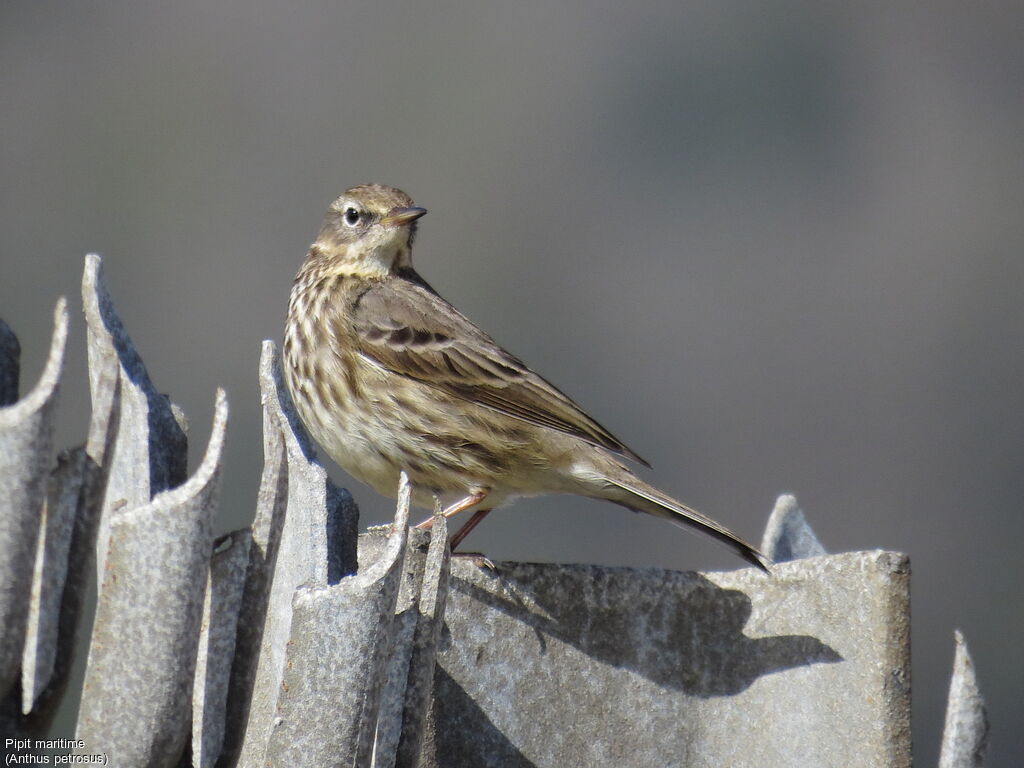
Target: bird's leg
point(459, 506)
point(468, 526)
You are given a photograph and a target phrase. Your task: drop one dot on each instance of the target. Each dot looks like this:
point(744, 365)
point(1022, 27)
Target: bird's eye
point(351, 216)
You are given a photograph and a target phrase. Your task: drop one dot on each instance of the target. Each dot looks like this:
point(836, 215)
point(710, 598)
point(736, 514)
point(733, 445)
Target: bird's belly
point(358, 445)
point(380, 431)
point(447, 446)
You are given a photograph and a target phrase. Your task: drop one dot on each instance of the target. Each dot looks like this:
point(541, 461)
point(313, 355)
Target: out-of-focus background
point(774, 247)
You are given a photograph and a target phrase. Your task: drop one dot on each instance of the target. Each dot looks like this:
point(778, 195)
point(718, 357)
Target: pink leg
point(459, 506)
point(468, 526)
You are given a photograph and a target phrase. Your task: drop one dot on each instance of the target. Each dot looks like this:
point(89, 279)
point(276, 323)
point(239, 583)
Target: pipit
point(388, 376)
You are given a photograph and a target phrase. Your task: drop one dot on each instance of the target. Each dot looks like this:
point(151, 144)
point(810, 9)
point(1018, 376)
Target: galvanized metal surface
point(271, 505)
point(410, 684)
point(221, 607)
point(49, 576)
point(340, 640)
point(311, 541)
point(965, 735)
point(26, 453)
point(575, 665)
point(788, 536)
point(150, 453)
point(136, 700)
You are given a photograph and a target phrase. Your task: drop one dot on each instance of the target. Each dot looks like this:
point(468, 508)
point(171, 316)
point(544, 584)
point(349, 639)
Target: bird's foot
point(479, 559)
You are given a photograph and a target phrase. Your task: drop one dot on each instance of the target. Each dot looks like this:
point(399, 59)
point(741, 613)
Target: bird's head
point(368, 231)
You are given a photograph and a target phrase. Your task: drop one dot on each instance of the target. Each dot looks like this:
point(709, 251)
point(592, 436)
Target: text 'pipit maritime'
point(388, 376)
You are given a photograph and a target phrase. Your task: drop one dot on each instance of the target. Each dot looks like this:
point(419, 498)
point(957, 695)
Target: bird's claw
point(479, 559)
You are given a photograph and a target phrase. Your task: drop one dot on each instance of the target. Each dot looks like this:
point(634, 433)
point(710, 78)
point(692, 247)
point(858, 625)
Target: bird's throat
point(369, 261)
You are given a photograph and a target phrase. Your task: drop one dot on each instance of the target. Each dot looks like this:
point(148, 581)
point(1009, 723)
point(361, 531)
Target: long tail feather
point(641, 497)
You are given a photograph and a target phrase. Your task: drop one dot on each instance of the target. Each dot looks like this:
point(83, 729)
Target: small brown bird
point(388, 376)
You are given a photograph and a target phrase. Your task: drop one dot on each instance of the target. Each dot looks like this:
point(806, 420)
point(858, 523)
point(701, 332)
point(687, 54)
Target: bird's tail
point(634, 493)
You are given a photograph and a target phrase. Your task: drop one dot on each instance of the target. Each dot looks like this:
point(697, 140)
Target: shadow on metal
point(623, 617)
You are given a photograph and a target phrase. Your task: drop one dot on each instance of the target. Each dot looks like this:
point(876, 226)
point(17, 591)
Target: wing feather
point(407, 328)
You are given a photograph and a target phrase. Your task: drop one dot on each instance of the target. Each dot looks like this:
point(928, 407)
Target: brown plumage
point(388, 376)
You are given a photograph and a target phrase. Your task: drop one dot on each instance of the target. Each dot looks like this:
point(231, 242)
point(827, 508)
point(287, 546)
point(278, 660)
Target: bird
point(388, 377)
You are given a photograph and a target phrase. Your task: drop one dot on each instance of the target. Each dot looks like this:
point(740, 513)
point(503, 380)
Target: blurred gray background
point(774, 247)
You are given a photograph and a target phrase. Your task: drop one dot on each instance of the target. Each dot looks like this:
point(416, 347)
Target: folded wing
point(406, 327)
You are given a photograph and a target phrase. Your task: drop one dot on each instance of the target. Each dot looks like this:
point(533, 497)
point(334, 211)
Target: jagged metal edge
point(26, 451)
point(788, 535)
point(340, 637)
point(420, 686)
point(68, 562)
point(271, 505)
point(396, 676)
point(149, 454)
point(138, 683)
point(49, 575)
point(312, 543)
point(965, 734)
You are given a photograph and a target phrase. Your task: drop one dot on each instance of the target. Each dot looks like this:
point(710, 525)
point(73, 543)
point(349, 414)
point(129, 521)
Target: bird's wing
point(404, 326)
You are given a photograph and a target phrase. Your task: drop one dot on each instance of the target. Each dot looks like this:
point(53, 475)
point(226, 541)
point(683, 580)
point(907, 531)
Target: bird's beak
point(400, 216)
